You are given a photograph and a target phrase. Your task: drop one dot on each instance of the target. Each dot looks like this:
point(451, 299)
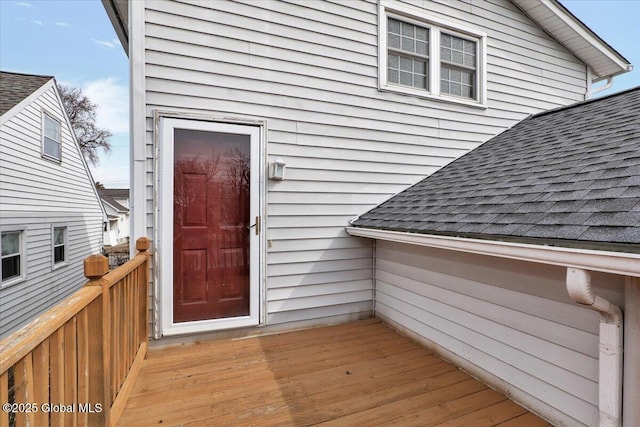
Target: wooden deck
point(359, 374)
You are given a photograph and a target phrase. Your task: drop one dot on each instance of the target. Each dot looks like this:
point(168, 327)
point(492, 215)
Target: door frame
point(166, 123)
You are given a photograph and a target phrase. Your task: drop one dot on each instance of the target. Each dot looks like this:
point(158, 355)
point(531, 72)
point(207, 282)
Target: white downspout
point(610, 357)
point(603, 87)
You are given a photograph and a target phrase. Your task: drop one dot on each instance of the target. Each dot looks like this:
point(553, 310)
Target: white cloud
point(112, 174)
point(24, 4)
point(111, 44)
point(38, 22)
point(113, 104)
point(62, 24)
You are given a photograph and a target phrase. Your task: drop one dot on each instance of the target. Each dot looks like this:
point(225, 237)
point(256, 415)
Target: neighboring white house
point(116, 204)
point(51, 218)
point(260, 128)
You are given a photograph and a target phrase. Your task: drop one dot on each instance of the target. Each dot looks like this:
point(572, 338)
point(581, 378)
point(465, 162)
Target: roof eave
point(119, 18)
point(623, 263)
point(572, 33)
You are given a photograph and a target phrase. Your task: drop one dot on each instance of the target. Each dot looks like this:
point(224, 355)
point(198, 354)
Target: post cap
point(96, 266)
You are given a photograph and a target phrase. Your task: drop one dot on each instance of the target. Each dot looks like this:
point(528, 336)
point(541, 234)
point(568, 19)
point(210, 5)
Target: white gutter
point(610, 357)
point(623, 263)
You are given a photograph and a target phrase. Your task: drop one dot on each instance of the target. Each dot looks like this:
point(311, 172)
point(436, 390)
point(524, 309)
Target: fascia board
point(623, 263)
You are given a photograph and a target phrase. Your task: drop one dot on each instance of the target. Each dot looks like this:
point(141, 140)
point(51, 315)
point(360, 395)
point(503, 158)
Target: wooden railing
point(76, 363)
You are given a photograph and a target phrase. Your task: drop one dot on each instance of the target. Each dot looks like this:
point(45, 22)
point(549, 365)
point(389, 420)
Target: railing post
point(95, 267)
point(142, 246)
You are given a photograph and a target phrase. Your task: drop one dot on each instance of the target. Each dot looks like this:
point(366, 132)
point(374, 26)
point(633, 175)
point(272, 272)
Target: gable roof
point(569, 177)
point(108, 195)
point(16, 87)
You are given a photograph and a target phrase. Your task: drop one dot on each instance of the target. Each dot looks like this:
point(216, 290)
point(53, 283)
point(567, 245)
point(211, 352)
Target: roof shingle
point(569, 174)
point(14, 87)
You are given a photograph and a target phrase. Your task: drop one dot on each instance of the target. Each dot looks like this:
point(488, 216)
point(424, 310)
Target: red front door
point(211, 225)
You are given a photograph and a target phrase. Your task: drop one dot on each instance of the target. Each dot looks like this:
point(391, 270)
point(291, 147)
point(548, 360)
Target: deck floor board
point(360, 373)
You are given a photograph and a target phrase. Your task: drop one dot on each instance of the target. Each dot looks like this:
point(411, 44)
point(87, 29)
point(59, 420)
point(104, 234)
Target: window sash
point(59, 243)
point(51, 138)
point(11, 255)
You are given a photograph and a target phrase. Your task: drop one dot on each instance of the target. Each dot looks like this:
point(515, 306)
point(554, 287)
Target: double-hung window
point(424, 55)
point(11, 245)
point(59, 246)
point(51, 138)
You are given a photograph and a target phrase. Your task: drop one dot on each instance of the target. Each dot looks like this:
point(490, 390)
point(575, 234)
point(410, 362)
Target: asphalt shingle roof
point(14, 87)
point(567, 176)
point(110, 194)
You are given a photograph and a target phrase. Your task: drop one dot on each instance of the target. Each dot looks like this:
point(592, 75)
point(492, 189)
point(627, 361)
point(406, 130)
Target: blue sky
point(74, 41)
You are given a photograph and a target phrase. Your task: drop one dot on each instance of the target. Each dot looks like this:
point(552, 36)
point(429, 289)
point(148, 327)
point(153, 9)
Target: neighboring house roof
point(550, 15)
point(569, 177)
point(108, 195)
point(16, 87)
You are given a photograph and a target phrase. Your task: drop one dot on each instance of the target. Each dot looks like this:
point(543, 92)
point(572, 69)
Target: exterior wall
point(511, 323)
point(37, 194)
point(309, 69)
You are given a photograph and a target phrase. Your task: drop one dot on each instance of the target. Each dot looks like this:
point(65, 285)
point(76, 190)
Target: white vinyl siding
point(310, 70)
point(36, 195)
point(511, 320)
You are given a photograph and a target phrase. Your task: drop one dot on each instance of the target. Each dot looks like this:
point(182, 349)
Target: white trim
point(137, 125)
point(165, 220)
point(584, 33)
point(623, 263)
point(435, 25)
point(23, 256)
point(561, 24)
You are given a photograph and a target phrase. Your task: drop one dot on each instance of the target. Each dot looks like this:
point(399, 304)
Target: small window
point(51, 141)
point(424, 55)
point(11, 255)
point(59, 245)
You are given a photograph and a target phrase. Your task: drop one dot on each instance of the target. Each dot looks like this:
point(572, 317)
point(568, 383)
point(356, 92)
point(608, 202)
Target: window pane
point(10, 243)
point(469, 46)
point(408, 45)
point(392, 75)
point(445, 54)
point(407, 29)
point(456, 57)
point(444, 86)
point(394, 41)
point(58, 236)
point(406, 79)
point(456, 43)
point(58, 254)
point(51, 148)
point(445, 40)
point(393, 26)
point(10, 267)
point(394, 61)
point(422, 48)
point(422, 34)
point(419, 81)
point(406, 64)
point(51, 128)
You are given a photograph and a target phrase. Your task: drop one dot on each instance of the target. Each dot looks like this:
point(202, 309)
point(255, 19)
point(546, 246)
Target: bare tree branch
point(82, 115)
